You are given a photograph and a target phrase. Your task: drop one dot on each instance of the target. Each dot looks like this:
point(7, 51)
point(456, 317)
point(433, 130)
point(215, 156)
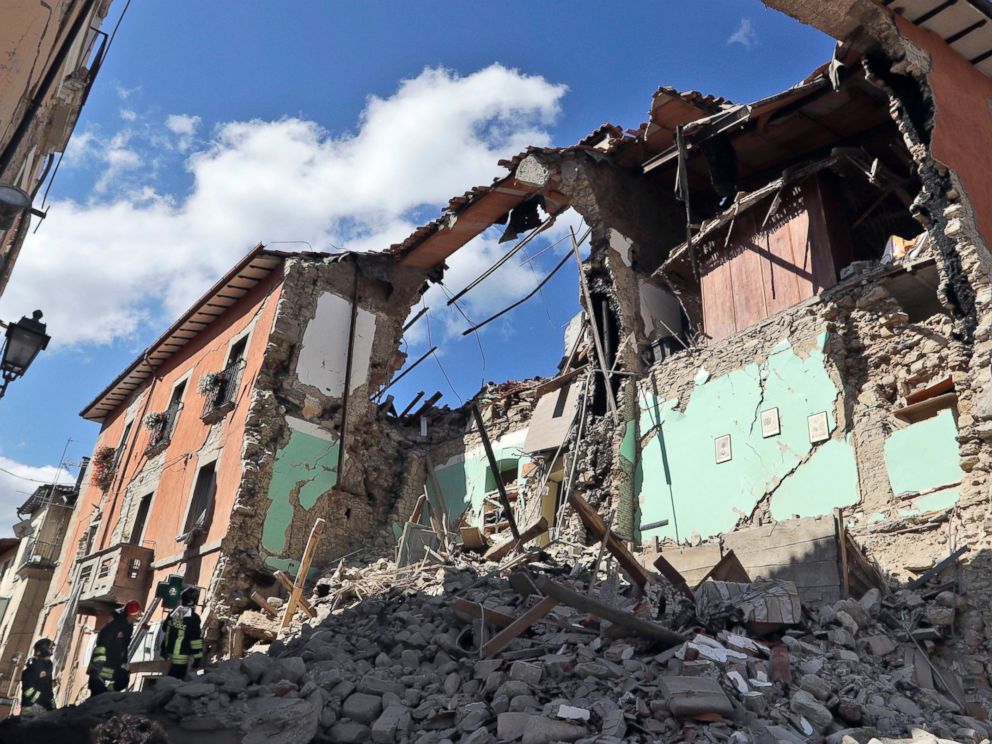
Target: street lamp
point(24, 339)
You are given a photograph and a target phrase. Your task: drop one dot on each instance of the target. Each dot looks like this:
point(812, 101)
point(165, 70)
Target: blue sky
point(217, 125)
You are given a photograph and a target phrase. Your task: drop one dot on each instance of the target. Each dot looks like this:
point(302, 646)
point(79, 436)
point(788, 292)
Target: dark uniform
point(108, 670)
point(183, 640)
point(36, 684)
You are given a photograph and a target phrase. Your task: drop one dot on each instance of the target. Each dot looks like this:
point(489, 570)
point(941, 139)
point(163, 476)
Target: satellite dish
point(13, 201)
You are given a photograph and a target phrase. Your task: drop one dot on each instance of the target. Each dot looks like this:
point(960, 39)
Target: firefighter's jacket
point(36, 684)
point(182, 639)
point(109, 660)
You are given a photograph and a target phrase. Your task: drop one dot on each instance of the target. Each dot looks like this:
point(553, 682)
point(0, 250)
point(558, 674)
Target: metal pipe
point(347, 371)
point(415, 318)
point(503, 498)
point(406, 371)
point(509, 254)
point(519, 302)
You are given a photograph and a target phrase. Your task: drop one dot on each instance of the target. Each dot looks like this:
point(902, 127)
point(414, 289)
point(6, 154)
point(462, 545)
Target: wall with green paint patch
point(677, 477)
point(465, 478)
point(924, 457)
point(305, 469)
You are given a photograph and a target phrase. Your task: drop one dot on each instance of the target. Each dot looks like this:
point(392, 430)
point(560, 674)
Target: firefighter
point(182, 640)
point(36, 680)
point(108, 670)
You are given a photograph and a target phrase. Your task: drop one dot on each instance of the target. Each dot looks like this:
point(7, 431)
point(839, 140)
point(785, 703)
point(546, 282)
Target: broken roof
point(965, 26)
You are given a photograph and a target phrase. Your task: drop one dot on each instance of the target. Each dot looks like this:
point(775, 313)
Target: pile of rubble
point(466, 651)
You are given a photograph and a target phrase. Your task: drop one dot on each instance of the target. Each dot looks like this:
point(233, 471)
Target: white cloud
point(184, 127)
point(17, 482)
point(125, 93)
point(129, 114)
point(136, 255)
point(745, 35)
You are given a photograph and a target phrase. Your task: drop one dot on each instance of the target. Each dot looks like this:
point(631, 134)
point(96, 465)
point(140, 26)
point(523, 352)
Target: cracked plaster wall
point(678, 467)
point(290, 454)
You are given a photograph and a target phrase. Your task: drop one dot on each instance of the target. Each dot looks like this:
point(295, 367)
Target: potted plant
point(211, 383)
point(103, 468)
point(155, 420)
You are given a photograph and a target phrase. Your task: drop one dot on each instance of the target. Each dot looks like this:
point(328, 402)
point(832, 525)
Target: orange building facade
point(219, 448)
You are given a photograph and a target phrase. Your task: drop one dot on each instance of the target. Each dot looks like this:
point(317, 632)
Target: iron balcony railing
point(162, 434)
point(225, 391)
point(41, 554)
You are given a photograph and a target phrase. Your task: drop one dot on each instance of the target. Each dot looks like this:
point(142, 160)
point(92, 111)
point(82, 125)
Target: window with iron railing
point(220, 389)
point(162, 425)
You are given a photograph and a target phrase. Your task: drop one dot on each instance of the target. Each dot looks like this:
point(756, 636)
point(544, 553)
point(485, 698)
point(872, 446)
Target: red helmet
point(132, 608)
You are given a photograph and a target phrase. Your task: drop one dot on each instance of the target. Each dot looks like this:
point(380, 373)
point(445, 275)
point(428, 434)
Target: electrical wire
point(478, 339)
point(437, 359)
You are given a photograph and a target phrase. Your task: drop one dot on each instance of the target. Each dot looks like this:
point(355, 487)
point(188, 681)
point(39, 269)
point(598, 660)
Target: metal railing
point(162, 434)
point(226, 390)
point(41, 554)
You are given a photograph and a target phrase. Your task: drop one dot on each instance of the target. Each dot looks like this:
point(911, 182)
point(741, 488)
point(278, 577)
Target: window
point(138, 529)
point(202, 504)
point(562, 400)
point(4, 601)
point(123, 443)
point(220, 389)
point(237, 353)
point(177, 395)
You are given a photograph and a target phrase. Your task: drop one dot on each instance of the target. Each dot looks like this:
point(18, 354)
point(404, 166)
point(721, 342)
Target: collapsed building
point(784, 319)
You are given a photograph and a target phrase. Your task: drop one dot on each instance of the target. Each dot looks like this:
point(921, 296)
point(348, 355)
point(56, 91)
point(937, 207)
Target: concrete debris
point(391, 658)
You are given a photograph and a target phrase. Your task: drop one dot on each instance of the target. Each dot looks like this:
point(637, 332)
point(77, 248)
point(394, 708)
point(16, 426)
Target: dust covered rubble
point(392, 662)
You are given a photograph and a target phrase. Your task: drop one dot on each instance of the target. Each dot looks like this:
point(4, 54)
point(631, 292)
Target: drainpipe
point(122, 468)
point(347, 371)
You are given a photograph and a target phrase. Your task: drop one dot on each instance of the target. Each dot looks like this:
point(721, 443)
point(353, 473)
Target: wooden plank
point(288, 585)
point(418, 509)
point(264, 604)
point(745, 274)
point(845, 581)
point(494, 465)
point(728, 569)
point(692, 562)
point(499, 551)
point(473, 538)
point(939, 568)
point(585, 603)
point(716, 286)
point(782, 273)
point(474, 611)
point(301, 576)
point(819, 238)
point(502, 639)
point(671, 573)
point(594, 523)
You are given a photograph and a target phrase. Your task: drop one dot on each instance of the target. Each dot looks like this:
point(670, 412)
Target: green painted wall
point(924, 455)
point(306, 467)
point(464, 481)
point(677, 476)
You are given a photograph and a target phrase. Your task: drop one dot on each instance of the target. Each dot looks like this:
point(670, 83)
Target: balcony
point(220, 392)
point(161, 425)
point(39, 559)
point(113, 576)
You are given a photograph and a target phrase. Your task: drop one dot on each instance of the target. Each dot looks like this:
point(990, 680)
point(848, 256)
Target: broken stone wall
point(461, 467)
point(940, 102)
point(292, 444)
point(796, 416)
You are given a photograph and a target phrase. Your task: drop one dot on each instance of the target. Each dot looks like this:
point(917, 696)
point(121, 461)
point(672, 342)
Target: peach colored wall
point(963, 130)
point(205, 354)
